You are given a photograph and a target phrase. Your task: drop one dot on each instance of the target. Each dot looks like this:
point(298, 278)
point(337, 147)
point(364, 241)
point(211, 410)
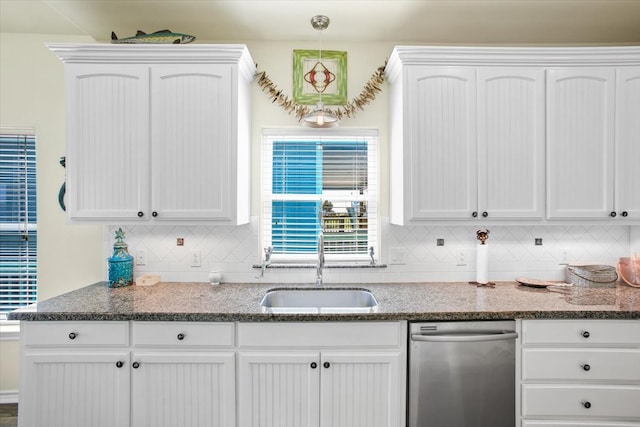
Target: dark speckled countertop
point(396, 301)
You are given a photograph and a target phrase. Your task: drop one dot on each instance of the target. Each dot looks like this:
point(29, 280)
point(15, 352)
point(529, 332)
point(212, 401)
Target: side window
point(18, 228)
point(315, 183)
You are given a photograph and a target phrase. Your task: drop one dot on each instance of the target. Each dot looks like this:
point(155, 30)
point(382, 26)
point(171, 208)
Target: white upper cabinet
point(510, 143)
point(627, 163)
point(541, 135)
point(466, 142)
point(580, 140)
point(441, 155)
point(191, 170)
point(107, 141)
point(157, 132)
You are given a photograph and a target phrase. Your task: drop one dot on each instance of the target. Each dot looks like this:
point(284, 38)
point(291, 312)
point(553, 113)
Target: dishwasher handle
point(471, 337)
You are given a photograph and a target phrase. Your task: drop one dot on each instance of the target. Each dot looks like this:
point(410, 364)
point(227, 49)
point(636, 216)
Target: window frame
point(371, 136)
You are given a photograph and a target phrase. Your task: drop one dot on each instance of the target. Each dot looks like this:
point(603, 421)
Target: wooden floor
point(8, 415)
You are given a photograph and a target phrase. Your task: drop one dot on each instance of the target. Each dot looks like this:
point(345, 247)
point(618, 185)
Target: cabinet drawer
point(182, 334)
point(75, 334)
point(582, 364)
point(597, 402)
point(321, 334)
point(581, 332)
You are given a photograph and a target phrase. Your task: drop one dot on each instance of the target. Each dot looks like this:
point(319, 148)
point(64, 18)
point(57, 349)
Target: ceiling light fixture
point(320, 117)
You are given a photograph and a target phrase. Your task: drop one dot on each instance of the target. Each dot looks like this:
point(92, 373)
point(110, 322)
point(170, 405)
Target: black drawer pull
point(586, 367)
point(119, 364)
point(154, 214)
point(474, 214)
point(613, 214)
point(73, 335)
point(485, 214)
point(140, 214)
point(180, 336)
point(625, 214)
point(135, 365)
point(585, 334)
point(326, 365)
point(314, 365)
point(586, 404)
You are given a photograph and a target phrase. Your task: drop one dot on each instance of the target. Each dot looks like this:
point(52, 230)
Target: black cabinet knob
point(154, 214)
point(135, 365)
point(586, 367)
point(140, 214)
point(625, 214)
point(326, 364)
point(119, 364)
point(485, 214)
point(314, 365)
point(613, 214)
point(73, 335)
point(474, 214)
point(586, 334)
point(180, 336)
point(586, 404)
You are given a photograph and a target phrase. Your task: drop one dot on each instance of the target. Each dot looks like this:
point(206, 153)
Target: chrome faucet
point(320, 265)
point(266, 260)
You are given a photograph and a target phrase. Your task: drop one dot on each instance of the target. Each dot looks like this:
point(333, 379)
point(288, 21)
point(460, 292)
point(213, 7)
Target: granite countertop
point(396, 301)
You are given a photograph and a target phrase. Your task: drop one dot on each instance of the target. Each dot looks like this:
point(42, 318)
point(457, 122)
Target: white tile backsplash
point(512, 252)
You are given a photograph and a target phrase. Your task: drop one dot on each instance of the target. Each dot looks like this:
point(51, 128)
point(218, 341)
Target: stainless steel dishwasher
point(462, 374)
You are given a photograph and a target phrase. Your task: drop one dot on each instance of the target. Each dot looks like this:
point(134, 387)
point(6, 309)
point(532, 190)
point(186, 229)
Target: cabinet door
point(192, 155)
point(108, 137)
point(628, 143)
point(78, 389)
point(442, 147)
point(183, 389)
point(511, 143)
point(277, 390)
point(580, 142)
point(361, 390)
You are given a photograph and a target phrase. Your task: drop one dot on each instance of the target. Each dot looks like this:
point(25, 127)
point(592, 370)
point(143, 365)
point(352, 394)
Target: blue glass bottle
point(120, 263)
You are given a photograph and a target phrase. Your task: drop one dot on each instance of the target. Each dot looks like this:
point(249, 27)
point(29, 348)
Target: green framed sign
point(312, 77)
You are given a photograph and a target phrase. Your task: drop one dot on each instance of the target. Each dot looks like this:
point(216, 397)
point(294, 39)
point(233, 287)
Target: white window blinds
point(320, 182)
point(18, 229)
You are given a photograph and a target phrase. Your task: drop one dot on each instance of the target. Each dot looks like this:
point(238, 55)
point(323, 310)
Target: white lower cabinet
point(579, 373)
point(183, 374)
point(80, 374)
point(322, 374)
point(74, 374)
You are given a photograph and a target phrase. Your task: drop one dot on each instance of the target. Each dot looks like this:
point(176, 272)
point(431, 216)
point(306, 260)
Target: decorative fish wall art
point(159, 37)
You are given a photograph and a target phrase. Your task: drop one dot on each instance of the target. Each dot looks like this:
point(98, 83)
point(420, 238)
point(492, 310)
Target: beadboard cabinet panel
point(627, 165)
point(158, 134)
point(358, 389)
point(511, 143)
point(75, 389)
point(186, 389)
point(190, 156)
point(278, 389)
point(580, 142)
point(442, 151)
point(107, 127)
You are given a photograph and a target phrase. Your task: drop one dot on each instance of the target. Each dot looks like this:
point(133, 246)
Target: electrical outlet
point(564, 256)
point(462, 258)
point(141, 257)
point(397, 256)
point(196, 261)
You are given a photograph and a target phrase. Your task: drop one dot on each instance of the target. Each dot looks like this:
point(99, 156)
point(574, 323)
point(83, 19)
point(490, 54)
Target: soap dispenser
point(120, 263)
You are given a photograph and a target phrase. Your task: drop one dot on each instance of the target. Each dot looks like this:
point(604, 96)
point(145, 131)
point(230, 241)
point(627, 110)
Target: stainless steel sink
point(318, 300)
